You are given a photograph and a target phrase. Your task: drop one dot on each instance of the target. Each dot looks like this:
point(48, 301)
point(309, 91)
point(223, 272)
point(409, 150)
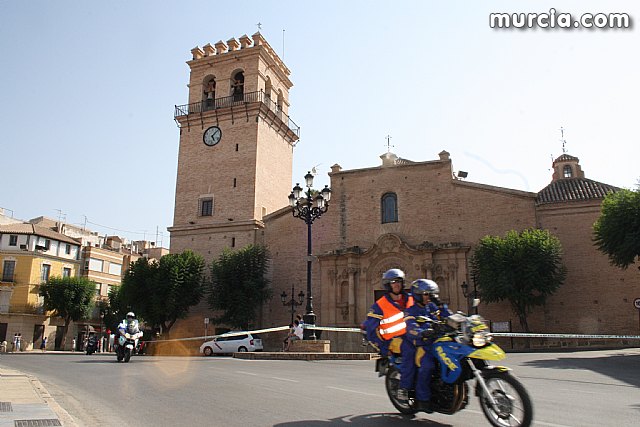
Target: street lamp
point(292, 302)
point(470, 295)
point(309, 208)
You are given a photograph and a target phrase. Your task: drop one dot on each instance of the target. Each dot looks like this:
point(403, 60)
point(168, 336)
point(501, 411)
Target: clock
point(212, 136)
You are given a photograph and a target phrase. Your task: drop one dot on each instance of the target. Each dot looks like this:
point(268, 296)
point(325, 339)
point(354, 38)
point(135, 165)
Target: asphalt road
point(597, 388)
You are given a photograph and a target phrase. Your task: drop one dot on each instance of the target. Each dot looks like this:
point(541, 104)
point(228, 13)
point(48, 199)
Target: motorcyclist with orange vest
point(420, 334)
point(385, 319)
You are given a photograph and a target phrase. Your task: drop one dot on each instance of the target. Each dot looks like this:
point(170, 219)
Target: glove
point(428, 334)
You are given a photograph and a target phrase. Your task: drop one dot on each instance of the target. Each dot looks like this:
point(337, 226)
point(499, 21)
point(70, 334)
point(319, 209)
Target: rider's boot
point(424, 406)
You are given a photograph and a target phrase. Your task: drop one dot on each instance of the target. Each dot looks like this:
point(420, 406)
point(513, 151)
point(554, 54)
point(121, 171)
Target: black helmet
point(425, 286)
point(393, 275)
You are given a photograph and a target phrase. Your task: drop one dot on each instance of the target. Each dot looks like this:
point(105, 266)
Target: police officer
point(385, 319)
point(416, 346)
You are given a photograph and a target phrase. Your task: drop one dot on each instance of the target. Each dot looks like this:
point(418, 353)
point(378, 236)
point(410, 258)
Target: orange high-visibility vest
point(392, 323)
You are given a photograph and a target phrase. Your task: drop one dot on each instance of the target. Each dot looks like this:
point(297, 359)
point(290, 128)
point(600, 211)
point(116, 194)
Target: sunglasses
point(397, 281)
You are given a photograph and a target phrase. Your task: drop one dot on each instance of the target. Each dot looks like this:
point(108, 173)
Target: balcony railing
point(233, 101)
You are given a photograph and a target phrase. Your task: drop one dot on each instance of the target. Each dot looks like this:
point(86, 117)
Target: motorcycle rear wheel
point(391, 384)
point(514, 407)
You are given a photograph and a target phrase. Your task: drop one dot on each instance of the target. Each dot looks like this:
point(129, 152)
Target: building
point(29, 255)
point(415, 215)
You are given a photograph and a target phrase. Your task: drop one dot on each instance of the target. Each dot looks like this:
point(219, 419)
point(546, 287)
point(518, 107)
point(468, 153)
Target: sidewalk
point(25, 402)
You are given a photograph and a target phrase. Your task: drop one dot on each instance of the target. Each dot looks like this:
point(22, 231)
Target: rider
point(130, 324)
point(385, 319)
point(416, 345)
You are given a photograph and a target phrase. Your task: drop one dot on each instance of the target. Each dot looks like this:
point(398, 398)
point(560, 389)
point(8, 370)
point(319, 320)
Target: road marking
point(580, 391)
point(352, 391)
point(538, 423)
point(246, 373)
point(285, 379)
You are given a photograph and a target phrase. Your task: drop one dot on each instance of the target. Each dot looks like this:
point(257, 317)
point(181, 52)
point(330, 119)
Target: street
point(593, 388)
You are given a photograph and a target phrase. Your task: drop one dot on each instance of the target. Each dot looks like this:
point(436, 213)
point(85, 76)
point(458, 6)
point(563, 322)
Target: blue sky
point(88, 90)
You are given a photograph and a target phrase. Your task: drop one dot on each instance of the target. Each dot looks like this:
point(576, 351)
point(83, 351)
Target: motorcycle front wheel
point(391, 384)
point(127, 355)
point(513, 405)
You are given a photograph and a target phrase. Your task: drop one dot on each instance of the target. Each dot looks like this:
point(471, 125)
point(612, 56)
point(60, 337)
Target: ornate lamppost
point(470, 295)
point(292, 302)
point(309, 208)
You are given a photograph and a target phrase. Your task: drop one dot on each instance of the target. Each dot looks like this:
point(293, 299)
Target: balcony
point(236, 101)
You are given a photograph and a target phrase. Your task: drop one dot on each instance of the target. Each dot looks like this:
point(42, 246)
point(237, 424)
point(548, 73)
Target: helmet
point(131, 314)
point(392, 275)
point(425, 286)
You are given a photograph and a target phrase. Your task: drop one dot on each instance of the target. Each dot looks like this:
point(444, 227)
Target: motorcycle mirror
point(476, 302)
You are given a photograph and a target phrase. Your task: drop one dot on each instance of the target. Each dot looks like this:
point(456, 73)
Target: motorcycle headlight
point(479, 340)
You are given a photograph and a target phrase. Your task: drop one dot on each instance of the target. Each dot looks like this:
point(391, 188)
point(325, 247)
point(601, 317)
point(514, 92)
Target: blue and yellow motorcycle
point(463, 351)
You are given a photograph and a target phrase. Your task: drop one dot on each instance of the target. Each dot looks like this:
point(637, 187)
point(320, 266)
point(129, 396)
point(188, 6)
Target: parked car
point(232, 344)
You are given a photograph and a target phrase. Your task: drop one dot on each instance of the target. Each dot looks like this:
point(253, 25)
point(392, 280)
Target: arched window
point(209, 92)
point(237, 86)
point(268, 87)
point(389, 207)
point(567, 171)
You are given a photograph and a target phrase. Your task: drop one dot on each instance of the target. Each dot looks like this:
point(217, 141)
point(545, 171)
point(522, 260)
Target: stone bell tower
point(236, 146)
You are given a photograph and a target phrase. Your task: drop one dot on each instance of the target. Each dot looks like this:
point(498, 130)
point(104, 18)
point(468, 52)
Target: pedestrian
point(43, 344)
point(296, 334)
point(286, 338)
point(19, 342)
point(73, 345)
point(14, 342)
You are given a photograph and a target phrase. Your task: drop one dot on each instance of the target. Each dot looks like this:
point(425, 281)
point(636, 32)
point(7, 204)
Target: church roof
point(566, 158)
point(572, 190)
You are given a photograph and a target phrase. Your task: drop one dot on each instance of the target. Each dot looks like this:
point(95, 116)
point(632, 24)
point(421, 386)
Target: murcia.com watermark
point(555, 19)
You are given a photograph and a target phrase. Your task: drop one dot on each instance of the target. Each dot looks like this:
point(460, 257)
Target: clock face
point(212, 136)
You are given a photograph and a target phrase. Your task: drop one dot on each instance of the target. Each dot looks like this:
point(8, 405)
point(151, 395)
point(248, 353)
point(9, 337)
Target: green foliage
point(522, 268)
point(71, 298)
point(617, 230)
point(238, 286)
point(162, 292)
point(112, 309)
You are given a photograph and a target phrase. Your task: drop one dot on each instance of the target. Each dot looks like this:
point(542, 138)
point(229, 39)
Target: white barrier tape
point(506, 334)
point(576, 336)
point(227, 334)
point(358, 330)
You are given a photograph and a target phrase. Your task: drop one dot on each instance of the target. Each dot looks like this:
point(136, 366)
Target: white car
point(232, 344)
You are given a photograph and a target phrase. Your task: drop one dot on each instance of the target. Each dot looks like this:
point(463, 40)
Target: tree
point(617, 230)
point(162, 292)
point(111, 309)
point(523, 268)
point(238, 286)
point(71, 298)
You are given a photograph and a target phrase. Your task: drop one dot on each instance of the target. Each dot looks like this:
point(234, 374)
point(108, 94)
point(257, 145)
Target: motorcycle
point(92, 345)
point(127, 342)
point(463, 351)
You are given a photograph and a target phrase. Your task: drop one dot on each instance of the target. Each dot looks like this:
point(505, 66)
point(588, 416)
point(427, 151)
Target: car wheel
point(242, 349)
point(208, 351)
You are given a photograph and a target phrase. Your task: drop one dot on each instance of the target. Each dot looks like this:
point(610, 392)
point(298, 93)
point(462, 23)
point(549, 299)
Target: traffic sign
point(206, 319)
point(636, 303)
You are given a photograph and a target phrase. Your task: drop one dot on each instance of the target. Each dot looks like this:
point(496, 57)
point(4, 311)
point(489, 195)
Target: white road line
point(580, 391)
point(246, 373)
point(285, 379)
point(352, 391)
point(536, 422)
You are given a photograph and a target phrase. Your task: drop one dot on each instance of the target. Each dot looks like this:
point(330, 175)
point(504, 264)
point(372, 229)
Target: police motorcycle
point(463, 351)
point(129, 333)
point(92, 345)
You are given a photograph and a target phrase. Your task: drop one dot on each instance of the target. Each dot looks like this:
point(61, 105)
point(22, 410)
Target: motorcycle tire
point(119, 355)
point(391, 384)
point(503, 415)
point(127, 355)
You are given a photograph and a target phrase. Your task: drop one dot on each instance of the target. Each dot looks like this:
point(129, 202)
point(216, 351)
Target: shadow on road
point(112, 360)
point(375, 420)
point(622, 367)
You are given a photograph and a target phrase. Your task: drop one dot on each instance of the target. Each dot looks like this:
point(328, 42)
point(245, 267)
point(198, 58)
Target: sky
point(88, 89)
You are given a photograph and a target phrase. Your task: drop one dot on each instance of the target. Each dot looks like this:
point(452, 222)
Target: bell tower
point(236, 146)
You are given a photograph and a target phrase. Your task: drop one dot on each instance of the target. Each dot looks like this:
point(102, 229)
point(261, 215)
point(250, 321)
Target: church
point(234, 177)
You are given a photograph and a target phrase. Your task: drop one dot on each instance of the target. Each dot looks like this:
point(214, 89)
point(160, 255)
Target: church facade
point(234, 176)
